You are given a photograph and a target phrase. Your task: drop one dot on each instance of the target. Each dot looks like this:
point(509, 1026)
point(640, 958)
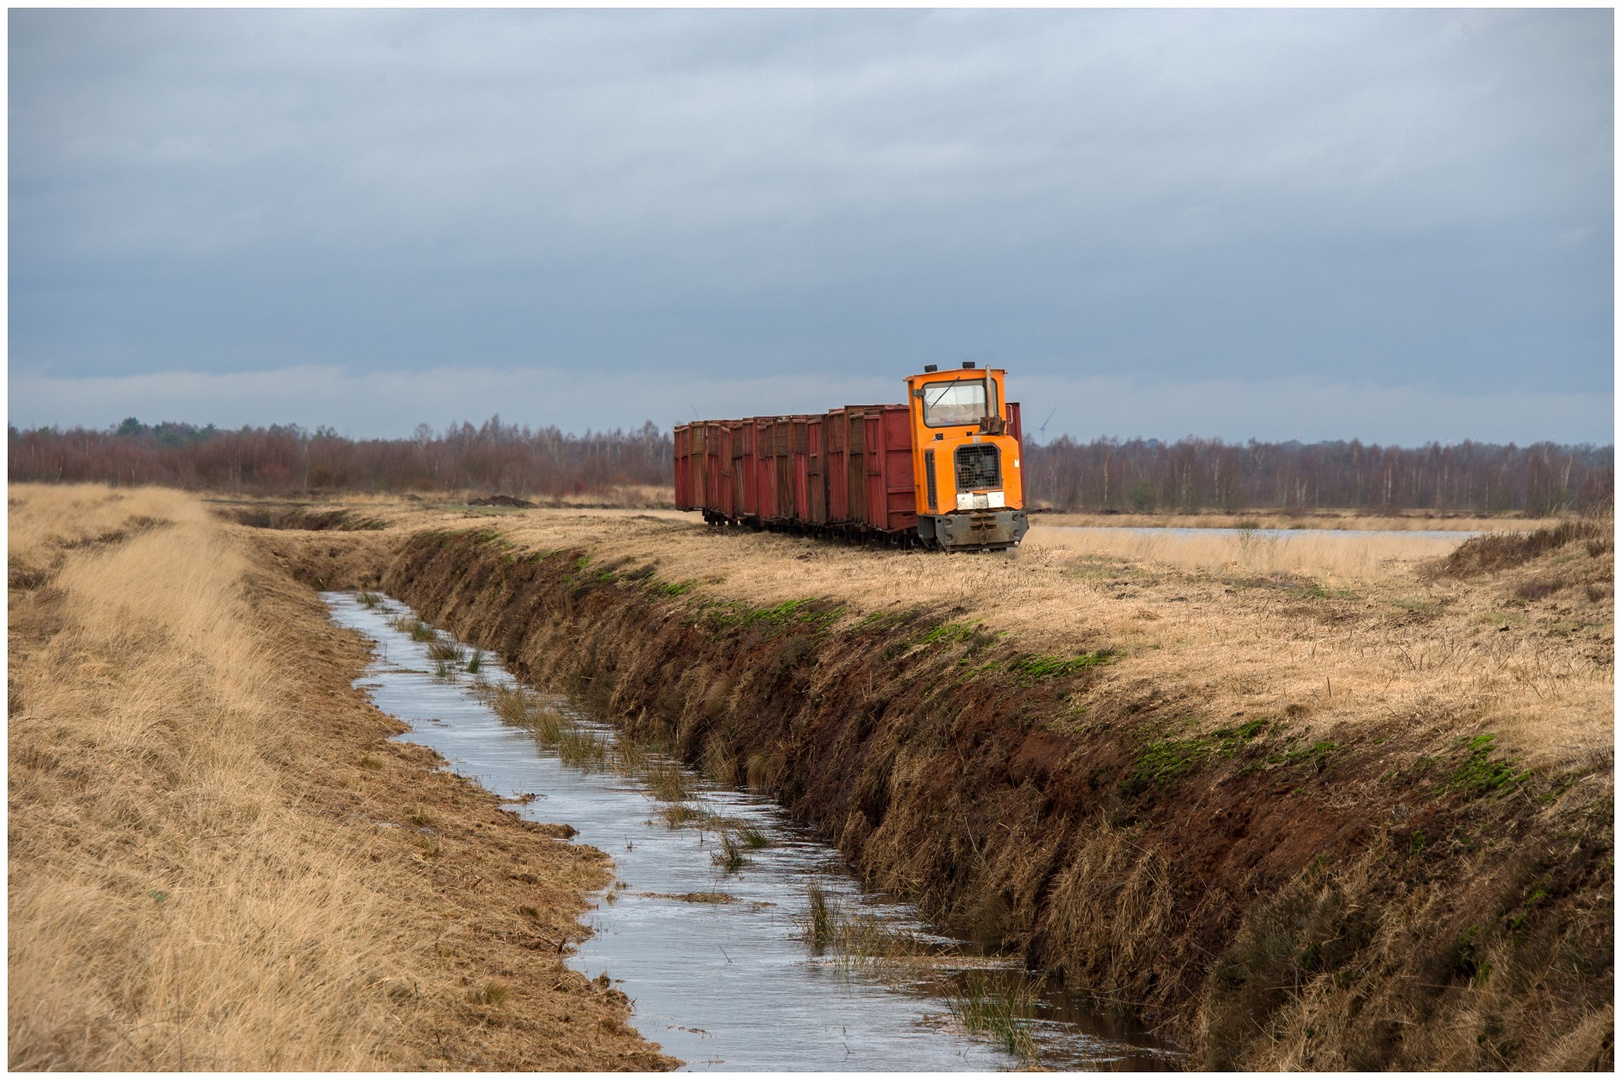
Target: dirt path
point(217, 858)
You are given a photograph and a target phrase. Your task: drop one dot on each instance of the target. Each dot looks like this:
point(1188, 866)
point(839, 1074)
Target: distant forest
point(282, 459)
point(1142, 475)
point(1207, 474)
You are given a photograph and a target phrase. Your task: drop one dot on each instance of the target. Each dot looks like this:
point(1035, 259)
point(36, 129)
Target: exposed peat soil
point(1399, 892)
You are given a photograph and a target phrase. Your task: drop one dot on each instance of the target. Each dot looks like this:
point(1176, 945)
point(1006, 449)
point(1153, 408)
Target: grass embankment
point(1352, 819)
point(217, 859)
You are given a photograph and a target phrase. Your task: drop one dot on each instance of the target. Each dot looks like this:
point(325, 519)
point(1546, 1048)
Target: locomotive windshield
point(954, 403)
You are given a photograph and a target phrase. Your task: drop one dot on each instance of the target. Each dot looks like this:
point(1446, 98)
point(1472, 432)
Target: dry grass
point(212, 864)
point(1334, 630)
point(1371, 556)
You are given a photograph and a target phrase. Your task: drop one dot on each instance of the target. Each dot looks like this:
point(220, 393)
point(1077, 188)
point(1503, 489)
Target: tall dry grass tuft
point(1112, 904)
point(1502, 550)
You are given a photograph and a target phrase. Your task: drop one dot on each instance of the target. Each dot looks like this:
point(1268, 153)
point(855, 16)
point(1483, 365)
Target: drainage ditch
point(743, 940)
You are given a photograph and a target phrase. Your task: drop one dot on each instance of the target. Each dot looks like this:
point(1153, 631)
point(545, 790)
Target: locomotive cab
point(965, 460)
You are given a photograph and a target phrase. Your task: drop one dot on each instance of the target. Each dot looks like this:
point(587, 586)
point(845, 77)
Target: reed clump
point(719, 762)
point(581, 747)
point(522, 707)
point(856, 938)
point(630, 756)
point(999, 1010)
point(679, 814)
point(728, 853)
point(407, 623)
point(667, 782)
point(447, 651)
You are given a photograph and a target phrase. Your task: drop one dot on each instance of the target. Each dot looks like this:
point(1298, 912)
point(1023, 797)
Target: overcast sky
point(1393, 225)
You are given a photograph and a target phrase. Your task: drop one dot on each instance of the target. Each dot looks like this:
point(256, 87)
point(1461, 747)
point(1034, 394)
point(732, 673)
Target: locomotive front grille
point(978, 467)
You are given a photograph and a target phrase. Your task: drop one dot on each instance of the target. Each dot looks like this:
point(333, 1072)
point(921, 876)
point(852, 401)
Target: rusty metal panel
point(738, 441)
point(782, 469)
point(873, 469)
point(899, 484)
point(696, 466)
point(712, 466)
point(835, 471)
point(680, 442)
point(799, 467)
point(694, 462)
point(765, 478)
point(1013, 422)
point(723, 494)
point(856, 464)
point(816, 470)
point(749, 508)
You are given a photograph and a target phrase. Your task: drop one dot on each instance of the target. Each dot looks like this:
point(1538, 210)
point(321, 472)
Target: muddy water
point(714, 954)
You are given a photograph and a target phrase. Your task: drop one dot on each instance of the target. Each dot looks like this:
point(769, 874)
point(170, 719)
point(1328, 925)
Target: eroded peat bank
point(742, 938)
point(1353, 818)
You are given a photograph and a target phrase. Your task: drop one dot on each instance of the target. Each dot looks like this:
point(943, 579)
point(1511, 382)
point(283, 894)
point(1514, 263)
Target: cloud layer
point(1382, 199)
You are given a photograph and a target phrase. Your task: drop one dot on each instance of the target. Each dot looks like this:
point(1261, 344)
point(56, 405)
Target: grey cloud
point(1399, 196)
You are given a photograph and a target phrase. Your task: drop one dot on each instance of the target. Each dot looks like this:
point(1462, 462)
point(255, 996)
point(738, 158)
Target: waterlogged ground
point(708, 926)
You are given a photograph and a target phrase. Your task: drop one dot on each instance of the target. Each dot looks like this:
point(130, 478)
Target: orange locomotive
point(940, 471)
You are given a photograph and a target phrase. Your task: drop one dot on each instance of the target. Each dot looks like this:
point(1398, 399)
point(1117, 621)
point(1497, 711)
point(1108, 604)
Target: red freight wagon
point(855, 470)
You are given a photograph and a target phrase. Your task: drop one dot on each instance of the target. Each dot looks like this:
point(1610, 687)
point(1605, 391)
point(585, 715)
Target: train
point(857, 471)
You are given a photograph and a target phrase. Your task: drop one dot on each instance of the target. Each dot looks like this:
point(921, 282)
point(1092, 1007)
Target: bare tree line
point(1207, 474)
point(493, 457)
point(1141, 475)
